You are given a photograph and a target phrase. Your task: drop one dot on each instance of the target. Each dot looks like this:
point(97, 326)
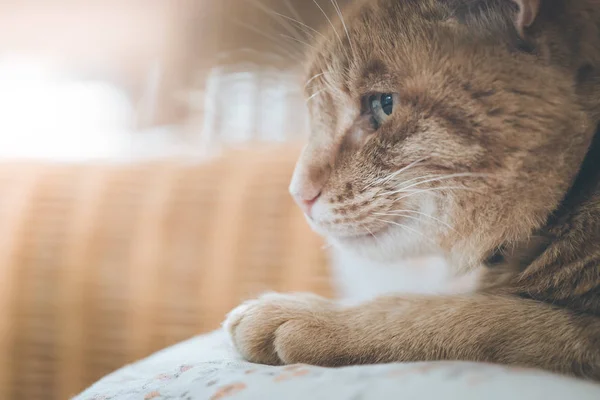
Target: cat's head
point(449, 126)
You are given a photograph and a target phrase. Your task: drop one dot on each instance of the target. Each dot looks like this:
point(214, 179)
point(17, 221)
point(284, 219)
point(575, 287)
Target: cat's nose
point(310, 178)
point(305, 190)
point(306, 204)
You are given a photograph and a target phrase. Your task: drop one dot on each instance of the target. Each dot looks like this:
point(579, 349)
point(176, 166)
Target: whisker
point(297, 40)
point(332, 90)
point(434, 190)
point(372, 234)
point(397, 215)
point(444, 177)
point(293, 10)
point(330, 23)
point(313, 78)
point(299, 26)
point(339, 13)
point(327, 79)
point(407, 187)
point(293, 30)
point(318, 92)
point(396, 173)
point(309, 30)
point(418, 178)
point(403, 213)
point(296, 55)
point(407, 228)
point(407, 182)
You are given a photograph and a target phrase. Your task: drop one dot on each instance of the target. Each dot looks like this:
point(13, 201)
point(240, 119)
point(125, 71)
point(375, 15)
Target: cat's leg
point(288, 329)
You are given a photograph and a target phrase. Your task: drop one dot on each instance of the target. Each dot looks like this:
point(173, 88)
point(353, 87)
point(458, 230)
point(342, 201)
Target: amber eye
point(381, 107)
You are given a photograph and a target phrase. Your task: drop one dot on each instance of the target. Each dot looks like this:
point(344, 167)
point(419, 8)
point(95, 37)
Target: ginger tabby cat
point(458, 127)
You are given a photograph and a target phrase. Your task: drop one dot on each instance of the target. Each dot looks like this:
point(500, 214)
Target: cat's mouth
point(384, 242)
point(372, 233)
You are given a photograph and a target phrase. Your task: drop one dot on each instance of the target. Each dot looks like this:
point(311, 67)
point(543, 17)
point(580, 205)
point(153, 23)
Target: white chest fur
point(358, 280)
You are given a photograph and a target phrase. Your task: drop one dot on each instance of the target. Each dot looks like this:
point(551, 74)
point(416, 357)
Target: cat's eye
point(380, 107)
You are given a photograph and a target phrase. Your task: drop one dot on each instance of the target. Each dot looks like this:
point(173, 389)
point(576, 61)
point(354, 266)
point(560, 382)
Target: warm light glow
point(46, 115)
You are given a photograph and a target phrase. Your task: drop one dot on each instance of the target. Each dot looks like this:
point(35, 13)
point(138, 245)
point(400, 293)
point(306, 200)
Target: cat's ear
point(528, 11)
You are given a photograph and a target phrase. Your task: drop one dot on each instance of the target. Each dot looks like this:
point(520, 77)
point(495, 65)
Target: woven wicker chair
point(101, 265)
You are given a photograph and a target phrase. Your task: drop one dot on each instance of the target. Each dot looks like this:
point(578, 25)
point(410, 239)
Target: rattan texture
point(101, 265)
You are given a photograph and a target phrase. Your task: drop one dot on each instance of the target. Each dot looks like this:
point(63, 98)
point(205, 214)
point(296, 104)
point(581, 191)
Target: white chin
point(391, 245)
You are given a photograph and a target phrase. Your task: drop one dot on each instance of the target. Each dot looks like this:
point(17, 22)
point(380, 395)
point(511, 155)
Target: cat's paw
point(278, 329)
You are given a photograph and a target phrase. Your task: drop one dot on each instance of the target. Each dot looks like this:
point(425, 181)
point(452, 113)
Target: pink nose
point(307, 205)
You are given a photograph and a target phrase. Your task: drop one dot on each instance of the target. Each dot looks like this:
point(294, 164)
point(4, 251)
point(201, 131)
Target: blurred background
point(145, 153)
point(147, 78)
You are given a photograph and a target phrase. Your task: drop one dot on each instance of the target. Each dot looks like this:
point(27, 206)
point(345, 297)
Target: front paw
point(278, 329)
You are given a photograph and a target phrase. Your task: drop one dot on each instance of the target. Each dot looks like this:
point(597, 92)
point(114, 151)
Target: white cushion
point(206, 367)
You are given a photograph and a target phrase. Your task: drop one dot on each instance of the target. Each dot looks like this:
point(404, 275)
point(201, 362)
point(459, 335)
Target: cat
point(461, 128)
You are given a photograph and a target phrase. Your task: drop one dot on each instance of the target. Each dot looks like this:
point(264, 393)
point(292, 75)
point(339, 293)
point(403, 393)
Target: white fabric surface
point(206, 367)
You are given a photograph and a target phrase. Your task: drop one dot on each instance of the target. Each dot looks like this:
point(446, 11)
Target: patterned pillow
point(207, 368)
